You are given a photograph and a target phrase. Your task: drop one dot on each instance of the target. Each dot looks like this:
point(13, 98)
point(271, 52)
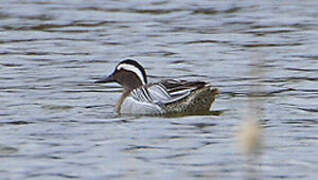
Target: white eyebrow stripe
point(134, 69)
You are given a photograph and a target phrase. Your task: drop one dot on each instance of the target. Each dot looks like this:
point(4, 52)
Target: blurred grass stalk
point(250, 134)
point(250, 138)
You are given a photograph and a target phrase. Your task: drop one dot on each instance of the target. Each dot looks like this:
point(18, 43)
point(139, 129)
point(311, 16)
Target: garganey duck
point(164, 97)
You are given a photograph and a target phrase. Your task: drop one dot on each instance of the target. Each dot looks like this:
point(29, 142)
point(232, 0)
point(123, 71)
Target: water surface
point(57, 124)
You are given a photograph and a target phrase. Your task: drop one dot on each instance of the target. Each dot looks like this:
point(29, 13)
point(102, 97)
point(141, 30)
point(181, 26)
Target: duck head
point(128, 73)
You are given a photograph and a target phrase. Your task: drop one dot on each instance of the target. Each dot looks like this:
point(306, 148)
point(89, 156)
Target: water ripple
point(57, 124)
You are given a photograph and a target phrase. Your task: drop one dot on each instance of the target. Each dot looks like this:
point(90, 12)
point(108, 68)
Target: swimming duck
point(164, 97)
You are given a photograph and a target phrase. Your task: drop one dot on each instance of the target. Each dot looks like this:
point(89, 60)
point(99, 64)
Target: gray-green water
point(56, 124)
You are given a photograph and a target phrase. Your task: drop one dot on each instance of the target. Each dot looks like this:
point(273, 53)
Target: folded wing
point(166, 91)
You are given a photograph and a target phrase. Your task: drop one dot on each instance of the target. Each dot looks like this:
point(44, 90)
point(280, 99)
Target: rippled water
point(57, 124)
